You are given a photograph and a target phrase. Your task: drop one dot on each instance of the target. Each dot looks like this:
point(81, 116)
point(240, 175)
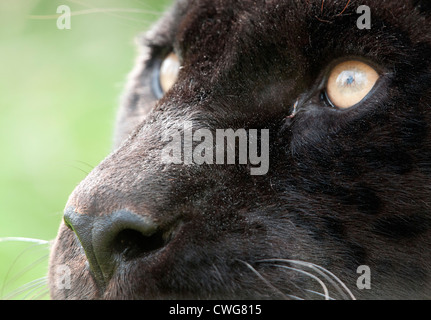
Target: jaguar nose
point(114, 238)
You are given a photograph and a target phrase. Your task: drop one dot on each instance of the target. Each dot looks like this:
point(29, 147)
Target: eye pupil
point(350, 80)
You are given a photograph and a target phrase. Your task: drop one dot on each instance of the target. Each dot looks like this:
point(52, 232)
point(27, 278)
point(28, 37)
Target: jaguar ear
point(424, 6)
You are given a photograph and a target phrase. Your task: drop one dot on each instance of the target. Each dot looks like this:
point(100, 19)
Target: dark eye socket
point(165, 74)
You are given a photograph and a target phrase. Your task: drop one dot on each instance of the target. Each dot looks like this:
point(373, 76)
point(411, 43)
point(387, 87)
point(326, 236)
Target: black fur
point(344, 187)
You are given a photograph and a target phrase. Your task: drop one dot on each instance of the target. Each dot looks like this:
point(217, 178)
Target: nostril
point(106, 237)
point(133, 244)
point(124, 232)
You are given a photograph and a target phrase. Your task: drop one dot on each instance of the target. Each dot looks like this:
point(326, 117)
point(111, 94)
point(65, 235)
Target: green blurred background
point(59, 90)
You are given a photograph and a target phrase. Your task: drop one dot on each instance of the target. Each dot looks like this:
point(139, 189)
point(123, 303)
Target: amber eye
point(349, 82)
point(169, 72)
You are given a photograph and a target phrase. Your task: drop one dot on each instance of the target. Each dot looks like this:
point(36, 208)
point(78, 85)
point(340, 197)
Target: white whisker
point(318, 293)
point(27, 268)
point(115, 11)
point(28, 286)
point(40, 294)
point(316, 268)
point(96, 10)
point(36, 244)
point(268, 283)
point(38, 291)
point(329, 273)
point(21, 239)
point(325, 289)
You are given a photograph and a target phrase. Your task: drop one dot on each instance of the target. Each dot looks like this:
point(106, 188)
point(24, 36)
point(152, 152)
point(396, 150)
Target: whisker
point(318, 293)
point(85, 163)
point(36, 245)
point(315, 267)
point(27, 268)
point(325, 289)
point(116, 10)
point(268, 283)
point(323, 274)
point(21, 239)
point(344, 8)
point(95, 10)
point(40, 295)
point(135, 10)
point(329, 273)
point(320, 272)
point(78, 168)
point(30, 285)
point(35, 292)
